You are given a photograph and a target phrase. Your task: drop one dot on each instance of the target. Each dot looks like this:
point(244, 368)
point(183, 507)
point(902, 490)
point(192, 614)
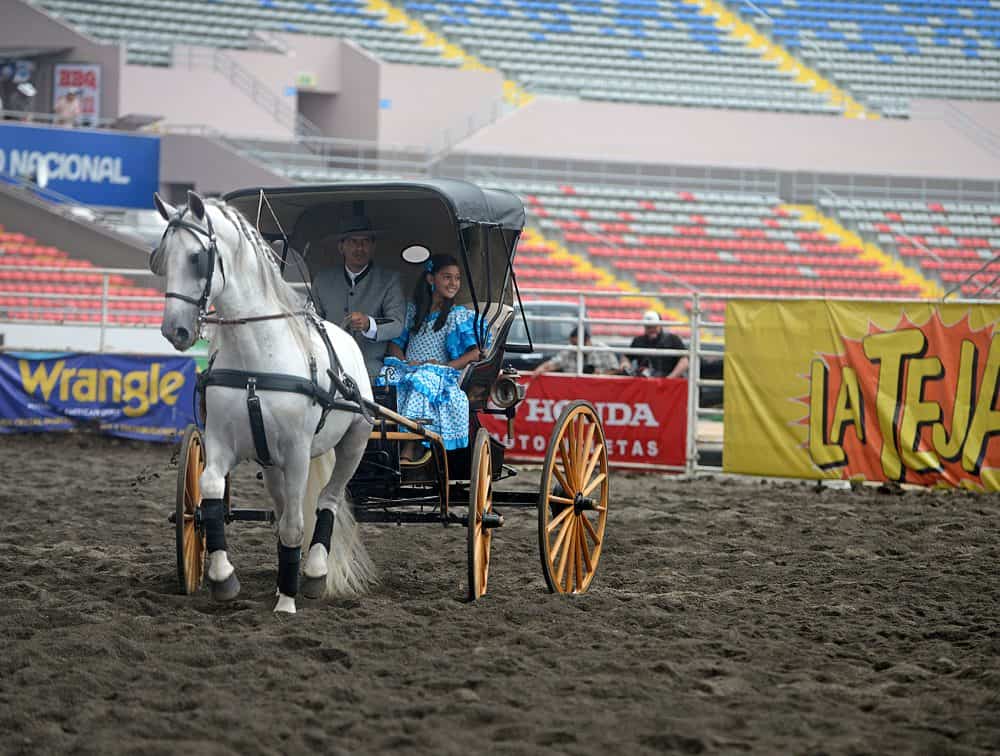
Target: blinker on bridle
point(209, 252)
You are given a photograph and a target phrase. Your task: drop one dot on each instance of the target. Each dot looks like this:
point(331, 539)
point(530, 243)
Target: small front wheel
point(573, 500)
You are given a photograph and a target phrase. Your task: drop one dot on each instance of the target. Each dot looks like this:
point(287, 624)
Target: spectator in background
point(600, 363)
point(655, 365)
point(67, 108)
point(23, 99)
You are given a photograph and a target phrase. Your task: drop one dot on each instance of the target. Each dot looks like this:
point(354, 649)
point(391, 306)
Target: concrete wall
point(197, 95)
point(435, 107)
point(208, 166)
point(23, 26)
point(355, 110)
point(316, 57)
point(595, 131)
point(20, 211)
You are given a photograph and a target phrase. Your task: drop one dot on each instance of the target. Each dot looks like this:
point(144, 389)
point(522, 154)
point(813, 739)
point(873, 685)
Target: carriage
point(460, 487)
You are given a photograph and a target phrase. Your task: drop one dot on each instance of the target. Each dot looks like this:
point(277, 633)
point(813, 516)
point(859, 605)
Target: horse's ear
point(197, 205)
point(165, 209)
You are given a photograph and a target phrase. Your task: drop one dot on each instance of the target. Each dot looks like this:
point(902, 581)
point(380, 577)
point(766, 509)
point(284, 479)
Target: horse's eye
point(193, 257)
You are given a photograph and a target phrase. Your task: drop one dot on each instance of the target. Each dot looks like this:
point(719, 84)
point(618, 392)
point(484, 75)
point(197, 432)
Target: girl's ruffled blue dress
point(432, 391)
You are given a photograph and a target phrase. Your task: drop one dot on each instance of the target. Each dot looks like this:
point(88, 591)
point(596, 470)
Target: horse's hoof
point(285, 605)
point(313, 587)
point(225, 590)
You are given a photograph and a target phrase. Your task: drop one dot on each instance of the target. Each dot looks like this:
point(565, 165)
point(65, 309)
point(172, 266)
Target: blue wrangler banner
point(146, 398)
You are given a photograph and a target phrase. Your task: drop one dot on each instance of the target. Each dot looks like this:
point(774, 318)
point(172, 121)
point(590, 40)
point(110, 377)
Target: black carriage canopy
point(480, 227)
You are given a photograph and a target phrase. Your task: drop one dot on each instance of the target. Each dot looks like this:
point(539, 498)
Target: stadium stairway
point(542, 262)
point(870, 251)
point(770, 50)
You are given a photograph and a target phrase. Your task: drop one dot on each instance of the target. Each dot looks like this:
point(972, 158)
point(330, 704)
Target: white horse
point(212, 258)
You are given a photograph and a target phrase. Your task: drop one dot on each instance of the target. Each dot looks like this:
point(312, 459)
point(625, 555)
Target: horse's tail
point(350, 571)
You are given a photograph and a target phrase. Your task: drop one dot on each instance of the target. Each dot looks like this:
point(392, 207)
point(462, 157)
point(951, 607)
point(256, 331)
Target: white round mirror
point(416, 254)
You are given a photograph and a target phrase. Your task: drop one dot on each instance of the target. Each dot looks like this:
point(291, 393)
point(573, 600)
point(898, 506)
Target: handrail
point(962, 122)
point(244, 80)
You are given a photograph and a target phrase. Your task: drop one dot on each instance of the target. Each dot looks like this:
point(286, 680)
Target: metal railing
point(241, 78)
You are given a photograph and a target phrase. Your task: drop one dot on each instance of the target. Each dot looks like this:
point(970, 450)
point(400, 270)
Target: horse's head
point(188, 257)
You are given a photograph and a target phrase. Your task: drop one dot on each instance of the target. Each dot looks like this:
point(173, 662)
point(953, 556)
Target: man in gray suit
point(362, 298)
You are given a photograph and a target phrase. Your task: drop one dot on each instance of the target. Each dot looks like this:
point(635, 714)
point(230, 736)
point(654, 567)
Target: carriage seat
point(477, 378)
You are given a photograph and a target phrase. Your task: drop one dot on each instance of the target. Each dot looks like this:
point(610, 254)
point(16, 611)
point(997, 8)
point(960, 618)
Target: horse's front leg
point(222, 578)
point(288, 487)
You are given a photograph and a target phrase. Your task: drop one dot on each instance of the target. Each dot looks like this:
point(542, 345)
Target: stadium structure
point(671, 154)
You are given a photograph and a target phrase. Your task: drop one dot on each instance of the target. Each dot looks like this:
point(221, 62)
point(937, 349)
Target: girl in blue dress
point(438, 340)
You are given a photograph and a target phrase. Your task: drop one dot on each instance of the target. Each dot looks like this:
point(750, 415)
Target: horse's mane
point(288, 299)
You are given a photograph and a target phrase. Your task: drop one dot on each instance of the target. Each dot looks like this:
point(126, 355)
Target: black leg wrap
point(323, 529)
point(213, 515)
point(288, 569)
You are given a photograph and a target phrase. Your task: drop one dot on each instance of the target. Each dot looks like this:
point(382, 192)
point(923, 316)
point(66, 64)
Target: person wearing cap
point(362, 298)
point(67, 109)
point(603, 362)
point(654, 336)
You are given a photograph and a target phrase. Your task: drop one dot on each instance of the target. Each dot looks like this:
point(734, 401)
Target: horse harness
point(204, 261)
point(340, 382)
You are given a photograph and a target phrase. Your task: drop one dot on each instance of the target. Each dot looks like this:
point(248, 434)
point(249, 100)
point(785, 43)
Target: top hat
point(354, 225)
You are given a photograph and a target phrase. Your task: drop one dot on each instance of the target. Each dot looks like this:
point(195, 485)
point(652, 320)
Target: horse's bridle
point(210, 252)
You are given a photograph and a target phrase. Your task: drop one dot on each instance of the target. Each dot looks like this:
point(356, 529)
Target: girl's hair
point(423, 295)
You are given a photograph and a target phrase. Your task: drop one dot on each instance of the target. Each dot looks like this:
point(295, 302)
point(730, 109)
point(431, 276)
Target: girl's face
point(446, 281)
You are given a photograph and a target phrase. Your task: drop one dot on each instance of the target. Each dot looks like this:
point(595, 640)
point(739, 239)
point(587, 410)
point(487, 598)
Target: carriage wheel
point(187, 521)
point(573, 500)
point(480, 537)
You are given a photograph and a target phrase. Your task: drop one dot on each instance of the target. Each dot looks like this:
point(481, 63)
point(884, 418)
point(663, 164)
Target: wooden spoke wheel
point(187, 520)
point(480, 535)
point(573, 500)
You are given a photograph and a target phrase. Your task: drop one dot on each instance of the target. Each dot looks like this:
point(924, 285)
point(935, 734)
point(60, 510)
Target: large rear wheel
point(573, 500)
point(187, 517)
point(482, 519)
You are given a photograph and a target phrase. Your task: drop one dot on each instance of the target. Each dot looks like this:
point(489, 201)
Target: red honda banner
point(644, 419)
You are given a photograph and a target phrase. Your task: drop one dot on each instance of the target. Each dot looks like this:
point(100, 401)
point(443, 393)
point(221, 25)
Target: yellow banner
point(879, 391)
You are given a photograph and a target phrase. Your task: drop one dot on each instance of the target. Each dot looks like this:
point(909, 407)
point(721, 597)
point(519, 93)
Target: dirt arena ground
point(727, 617)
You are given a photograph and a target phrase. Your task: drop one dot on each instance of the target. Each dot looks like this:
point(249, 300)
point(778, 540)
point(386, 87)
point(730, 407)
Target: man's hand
point(356, 321)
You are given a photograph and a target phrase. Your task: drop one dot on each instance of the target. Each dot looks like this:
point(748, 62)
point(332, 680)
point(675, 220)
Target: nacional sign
point(93, 167)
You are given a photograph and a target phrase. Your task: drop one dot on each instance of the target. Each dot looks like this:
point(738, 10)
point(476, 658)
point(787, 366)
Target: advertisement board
point(146, 398)
point(644, 419)
point(84, 78)
point(878, 391)
point(92, 167)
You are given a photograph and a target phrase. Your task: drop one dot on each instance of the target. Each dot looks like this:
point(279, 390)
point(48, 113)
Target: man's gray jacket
point(376, 293)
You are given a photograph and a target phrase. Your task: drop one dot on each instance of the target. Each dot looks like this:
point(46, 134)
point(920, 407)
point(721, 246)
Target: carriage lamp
point(506, 391)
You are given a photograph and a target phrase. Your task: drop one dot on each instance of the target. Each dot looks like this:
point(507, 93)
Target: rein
point(213, 320)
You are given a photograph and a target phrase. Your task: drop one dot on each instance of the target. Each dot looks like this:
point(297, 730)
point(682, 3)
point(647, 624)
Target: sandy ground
point(727, 617)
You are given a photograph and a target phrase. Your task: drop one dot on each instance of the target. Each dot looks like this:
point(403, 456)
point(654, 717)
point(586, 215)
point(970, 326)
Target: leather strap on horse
point(257, 425)
point(345, 385)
